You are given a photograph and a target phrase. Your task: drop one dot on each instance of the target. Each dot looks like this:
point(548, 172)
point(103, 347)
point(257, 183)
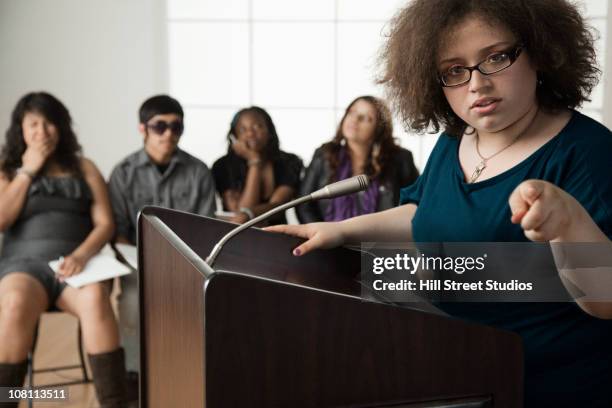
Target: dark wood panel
point(284, 345)
point(172, 317)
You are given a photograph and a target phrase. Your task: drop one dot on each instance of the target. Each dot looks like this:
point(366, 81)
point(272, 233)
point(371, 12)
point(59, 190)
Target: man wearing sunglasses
point(158, 174)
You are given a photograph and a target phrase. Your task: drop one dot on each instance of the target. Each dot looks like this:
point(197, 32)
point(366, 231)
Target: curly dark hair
point(379, 163)
point(67, 152)
point(554, 34)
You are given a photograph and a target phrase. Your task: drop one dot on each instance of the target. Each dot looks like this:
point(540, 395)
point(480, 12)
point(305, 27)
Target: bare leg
point(22, 300)
point(91, 305)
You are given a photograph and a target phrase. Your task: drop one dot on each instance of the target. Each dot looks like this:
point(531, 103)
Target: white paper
point(129, 252)
point(100, 267)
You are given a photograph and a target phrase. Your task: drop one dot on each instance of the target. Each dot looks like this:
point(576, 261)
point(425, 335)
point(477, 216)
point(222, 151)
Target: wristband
point(254, 162)
point(29, 173)
point(248, 212)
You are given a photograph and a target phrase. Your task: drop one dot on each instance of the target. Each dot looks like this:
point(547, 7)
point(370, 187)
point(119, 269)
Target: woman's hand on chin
point(243, 150)
point(36, 154)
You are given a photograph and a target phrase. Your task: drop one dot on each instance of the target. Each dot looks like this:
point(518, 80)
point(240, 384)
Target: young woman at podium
point(515, 163)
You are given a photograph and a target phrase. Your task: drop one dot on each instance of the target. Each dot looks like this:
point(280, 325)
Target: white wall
point(303, 61)
point(101, 58)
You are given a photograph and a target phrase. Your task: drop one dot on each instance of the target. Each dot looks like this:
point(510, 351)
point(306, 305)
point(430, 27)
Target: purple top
point(349, 206)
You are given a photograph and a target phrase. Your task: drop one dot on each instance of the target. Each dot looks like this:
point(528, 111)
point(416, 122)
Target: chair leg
point(85, 377)
point(81, 356)
point(30, 373)
point(31, 369)
point(31, 363)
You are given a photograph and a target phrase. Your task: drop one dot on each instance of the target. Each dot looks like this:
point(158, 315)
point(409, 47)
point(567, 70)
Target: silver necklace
point(483, 160)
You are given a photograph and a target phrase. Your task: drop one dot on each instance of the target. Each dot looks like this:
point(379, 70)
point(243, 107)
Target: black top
point(54, 221)
point(230, 173)
point(403, 173)
point(568, 356)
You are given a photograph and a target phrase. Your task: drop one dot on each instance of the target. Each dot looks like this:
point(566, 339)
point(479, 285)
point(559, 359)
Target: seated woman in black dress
point(363, 144)
point(255, 175)
point(53, 203)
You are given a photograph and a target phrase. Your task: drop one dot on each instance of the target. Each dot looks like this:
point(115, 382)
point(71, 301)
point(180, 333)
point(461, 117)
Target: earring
point(376, 149)
point(375, 158)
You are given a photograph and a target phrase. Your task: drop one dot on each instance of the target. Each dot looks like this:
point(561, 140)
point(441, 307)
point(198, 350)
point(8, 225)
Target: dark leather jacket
point(404, 173)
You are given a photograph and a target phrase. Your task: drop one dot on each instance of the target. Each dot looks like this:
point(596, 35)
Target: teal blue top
point(568, 354)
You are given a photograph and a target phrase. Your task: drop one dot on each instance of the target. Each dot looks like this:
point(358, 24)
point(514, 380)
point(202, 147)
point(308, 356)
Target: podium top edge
point(178, 244)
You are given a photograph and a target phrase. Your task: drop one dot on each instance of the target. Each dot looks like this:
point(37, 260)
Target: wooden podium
point(267, 329)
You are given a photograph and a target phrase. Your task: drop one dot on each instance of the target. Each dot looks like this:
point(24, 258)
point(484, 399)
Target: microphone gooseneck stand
point(339, 188)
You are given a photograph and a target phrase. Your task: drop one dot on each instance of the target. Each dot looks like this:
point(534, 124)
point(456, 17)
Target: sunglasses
point(160, 127)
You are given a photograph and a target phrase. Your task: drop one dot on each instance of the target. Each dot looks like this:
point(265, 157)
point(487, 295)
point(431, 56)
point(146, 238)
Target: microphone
point(339, 188)
point(342, 187)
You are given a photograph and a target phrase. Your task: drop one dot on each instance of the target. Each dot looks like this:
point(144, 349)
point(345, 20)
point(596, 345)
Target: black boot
point(12, 375)
point(108, 371)
point(131, 382)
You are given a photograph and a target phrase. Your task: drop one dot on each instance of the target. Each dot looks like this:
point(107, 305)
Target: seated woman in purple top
point(363, 144)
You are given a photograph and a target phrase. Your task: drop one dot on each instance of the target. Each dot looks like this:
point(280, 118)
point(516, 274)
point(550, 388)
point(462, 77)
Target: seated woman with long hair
point(363, 144)
point(255, 175)
point(53, 203)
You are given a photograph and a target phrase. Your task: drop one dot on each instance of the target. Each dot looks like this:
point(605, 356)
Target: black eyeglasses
point(160, 127)
point(498, 61)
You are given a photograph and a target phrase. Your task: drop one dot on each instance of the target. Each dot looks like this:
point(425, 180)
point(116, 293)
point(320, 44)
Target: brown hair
point(553, 33)
point(383, 146)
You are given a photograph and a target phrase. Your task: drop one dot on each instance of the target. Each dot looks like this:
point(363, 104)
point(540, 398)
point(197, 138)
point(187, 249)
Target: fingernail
point(297, 252)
